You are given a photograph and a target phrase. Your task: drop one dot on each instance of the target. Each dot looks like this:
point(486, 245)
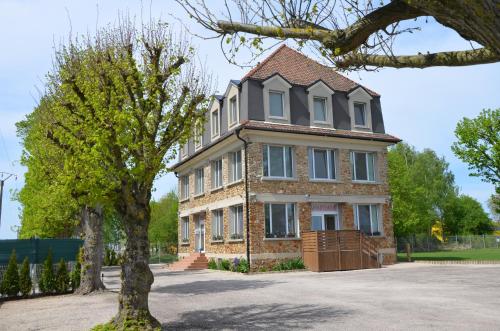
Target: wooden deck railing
point(338, 250)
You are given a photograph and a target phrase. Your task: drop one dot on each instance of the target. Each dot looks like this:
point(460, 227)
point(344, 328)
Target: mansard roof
point(299, 69)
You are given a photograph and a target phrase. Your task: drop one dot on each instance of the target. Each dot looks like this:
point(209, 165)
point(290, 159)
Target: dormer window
point(276, 104)
point(184, 150)
point(215, 123)
point(360, 114)
point(198, 137)
point(319, 109)
point(233, 111)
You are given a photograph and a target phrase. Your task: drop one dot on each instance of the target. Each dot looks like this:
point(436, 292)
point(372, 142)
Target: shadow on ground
point(258, 317)
point(212, 286)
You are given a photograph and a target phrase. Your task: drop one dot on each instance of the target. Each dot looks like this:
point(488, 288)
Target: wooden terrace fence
point(338, 250)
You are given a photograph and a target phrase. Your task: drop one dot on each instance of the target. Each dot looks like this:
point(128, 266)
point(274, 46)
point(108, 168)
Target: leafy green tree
point(10, 281)
point(120, 104)
point(465, 215)
point(25, 283)
point(163, 226)
point(494, 207)
point(47, 283)
point(478, 145)
point(62, 277)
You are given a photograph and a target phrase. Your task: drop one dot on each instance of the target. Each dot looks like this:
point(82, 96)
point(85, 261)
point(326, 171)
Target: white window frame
point(296, 220)
point(322, 215)
point(198, 137)
point(284, 148)
point(282, 95)
point(184, 187)
point(276, 84)
point(214, 168)
point(380, 228)
point(215, 135)
point(353, 167)
point(321, 90)
point(235, 232)
point(233, 121)
point(197, 189)
point(232, 166)
point(365, 115)
point(218, 225)
point(185, 229)
point(329, 154)
point(184, 149)
point(359, 95)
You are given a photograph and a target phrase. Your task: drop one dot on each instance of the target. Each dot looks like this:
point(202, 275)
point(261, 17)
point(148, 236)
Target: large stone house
point(293, 146)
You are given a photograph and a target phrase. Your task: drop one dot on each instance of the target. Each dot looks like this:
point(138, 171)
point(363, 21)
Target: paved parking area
point(404, 296)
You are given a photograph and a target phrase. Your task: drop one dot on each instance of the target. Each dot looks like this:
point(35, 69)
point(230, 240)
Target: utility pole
point(4, 176)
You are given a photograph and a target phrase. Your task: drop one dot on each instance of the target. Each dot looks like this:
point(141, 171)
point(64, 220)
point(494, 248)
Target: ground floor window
point(236, 224)
point(367, 219)
point(185, 229)
point(217, 225)
point(280, 220)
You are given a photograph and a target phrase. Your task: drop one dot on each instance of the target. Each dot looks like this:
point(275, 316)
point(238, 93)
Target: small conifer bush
point(25, 283)
point(76, 273)
point(62, 277)
point(10, 281)
point(47, 282)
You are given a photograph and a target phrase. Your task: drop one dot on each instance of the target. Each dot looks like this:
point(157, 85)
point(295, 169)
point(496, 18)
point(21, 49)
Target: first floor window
point(217, 225)
point(363, 166)
point(185, 187)
point(322, 163)
point(280, 220)
point(359, 114)
point(276, 104)
point(235, 168)
point(278, 161)
point(185, 229)
point(217, 173)
point(199, 178)
point(236, 225)
point(319, 109)
point(367, 219)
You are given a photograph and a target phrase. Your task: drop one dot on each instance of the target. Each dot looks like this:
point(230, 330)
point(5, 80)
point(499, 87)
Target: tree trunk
point(92, 251)
point(137, 278)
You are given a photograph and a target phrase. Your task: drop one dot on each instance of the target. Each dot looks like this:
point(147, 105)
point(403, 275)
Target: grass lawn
point(164, 258)
point(470, 254)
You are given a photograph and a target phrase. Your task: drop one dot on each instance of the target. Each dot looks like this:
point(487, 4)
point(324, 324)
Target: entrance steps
point(195, 261)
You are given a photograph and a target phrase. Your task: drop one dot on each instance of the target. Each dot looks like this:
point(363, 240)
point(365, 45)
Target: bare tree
point(353, 34)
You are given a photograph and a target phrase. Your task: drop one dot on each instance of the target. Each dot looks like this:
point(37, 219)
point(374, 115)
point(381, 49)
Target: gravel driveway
point(404, 296)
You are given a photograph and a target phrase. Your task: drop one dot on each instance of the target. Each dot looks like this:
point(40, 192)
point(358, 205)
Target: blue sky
point(420, 106)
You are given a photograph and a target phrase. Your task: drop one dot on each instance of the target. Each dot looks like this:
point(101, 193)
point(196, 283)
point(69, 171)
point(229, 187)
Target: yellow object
point(437, 231)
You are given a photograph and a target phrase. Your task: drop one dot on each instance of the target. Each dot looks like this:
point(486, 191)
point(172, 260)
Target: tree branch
point(449, 59)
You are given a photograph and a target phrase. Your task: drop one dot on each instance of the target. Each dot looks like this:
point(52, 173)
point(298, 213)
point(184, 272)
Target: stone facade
point(299, 190)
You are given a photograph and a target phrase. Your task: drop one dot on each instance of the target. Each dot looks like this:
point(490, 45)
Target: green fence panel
point(37, 249)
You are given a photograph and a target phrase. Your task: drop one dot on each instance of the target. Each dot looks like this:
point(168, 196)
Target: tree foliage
point(47, 282)
point(62, 280)
point(352, 34)
point(478, 145)
point(465, 215)
point(25, 283)
point(163, 226)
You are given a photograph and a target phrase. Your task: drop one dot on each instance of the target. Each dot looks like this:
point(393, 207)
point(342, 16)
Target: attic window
point(360, 114)
point(276, 104)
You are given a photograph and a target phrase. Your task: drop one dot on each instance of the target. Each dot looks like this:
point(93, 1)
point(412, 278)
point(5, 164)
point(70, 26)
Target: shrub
point(289, 265)
point(25, 284)
point(10, 282)
point(243, 266)
point(77, 271)
point(47, 282)
point(212, 264)
point(62, 277)
point(224, 264)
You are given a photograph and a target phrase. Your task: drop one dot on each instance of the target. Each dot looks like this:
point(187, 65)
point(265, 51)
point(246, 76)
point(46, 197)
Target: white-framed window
point(217, 225)
point(185, 187)
point(277, 161)
point(235, 166)
point(360, 114)
point(184, 150)
point(320, 113)
point(198, 137)
point(276, 104)
point(281, 220)
point(322, 163)
point(236, 222)
point(185, 229)
point(363, 166)
point(215, 122)
point(233, 111)
point(199, 181)
point(360, 109)
point(325, 221)
point(217, 173)
point(367, 219)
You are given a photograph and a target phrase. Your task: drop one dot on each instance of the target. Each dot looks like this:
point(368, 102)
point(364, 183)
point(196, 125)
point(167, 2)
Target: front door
point(200, 233)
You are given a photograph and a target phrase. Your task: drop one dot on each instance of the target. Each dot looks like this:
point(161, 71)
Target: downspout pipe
point(245, 145)
point(178, 217)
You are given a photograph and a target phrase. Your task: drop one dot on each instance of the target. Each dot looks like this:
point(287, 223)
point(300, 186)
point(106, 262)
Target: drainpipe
point(245, 144)
point(178, 216)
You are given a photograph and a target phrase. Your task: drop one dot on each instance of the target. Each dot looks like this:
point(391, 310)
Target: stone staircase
point(195, 261)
